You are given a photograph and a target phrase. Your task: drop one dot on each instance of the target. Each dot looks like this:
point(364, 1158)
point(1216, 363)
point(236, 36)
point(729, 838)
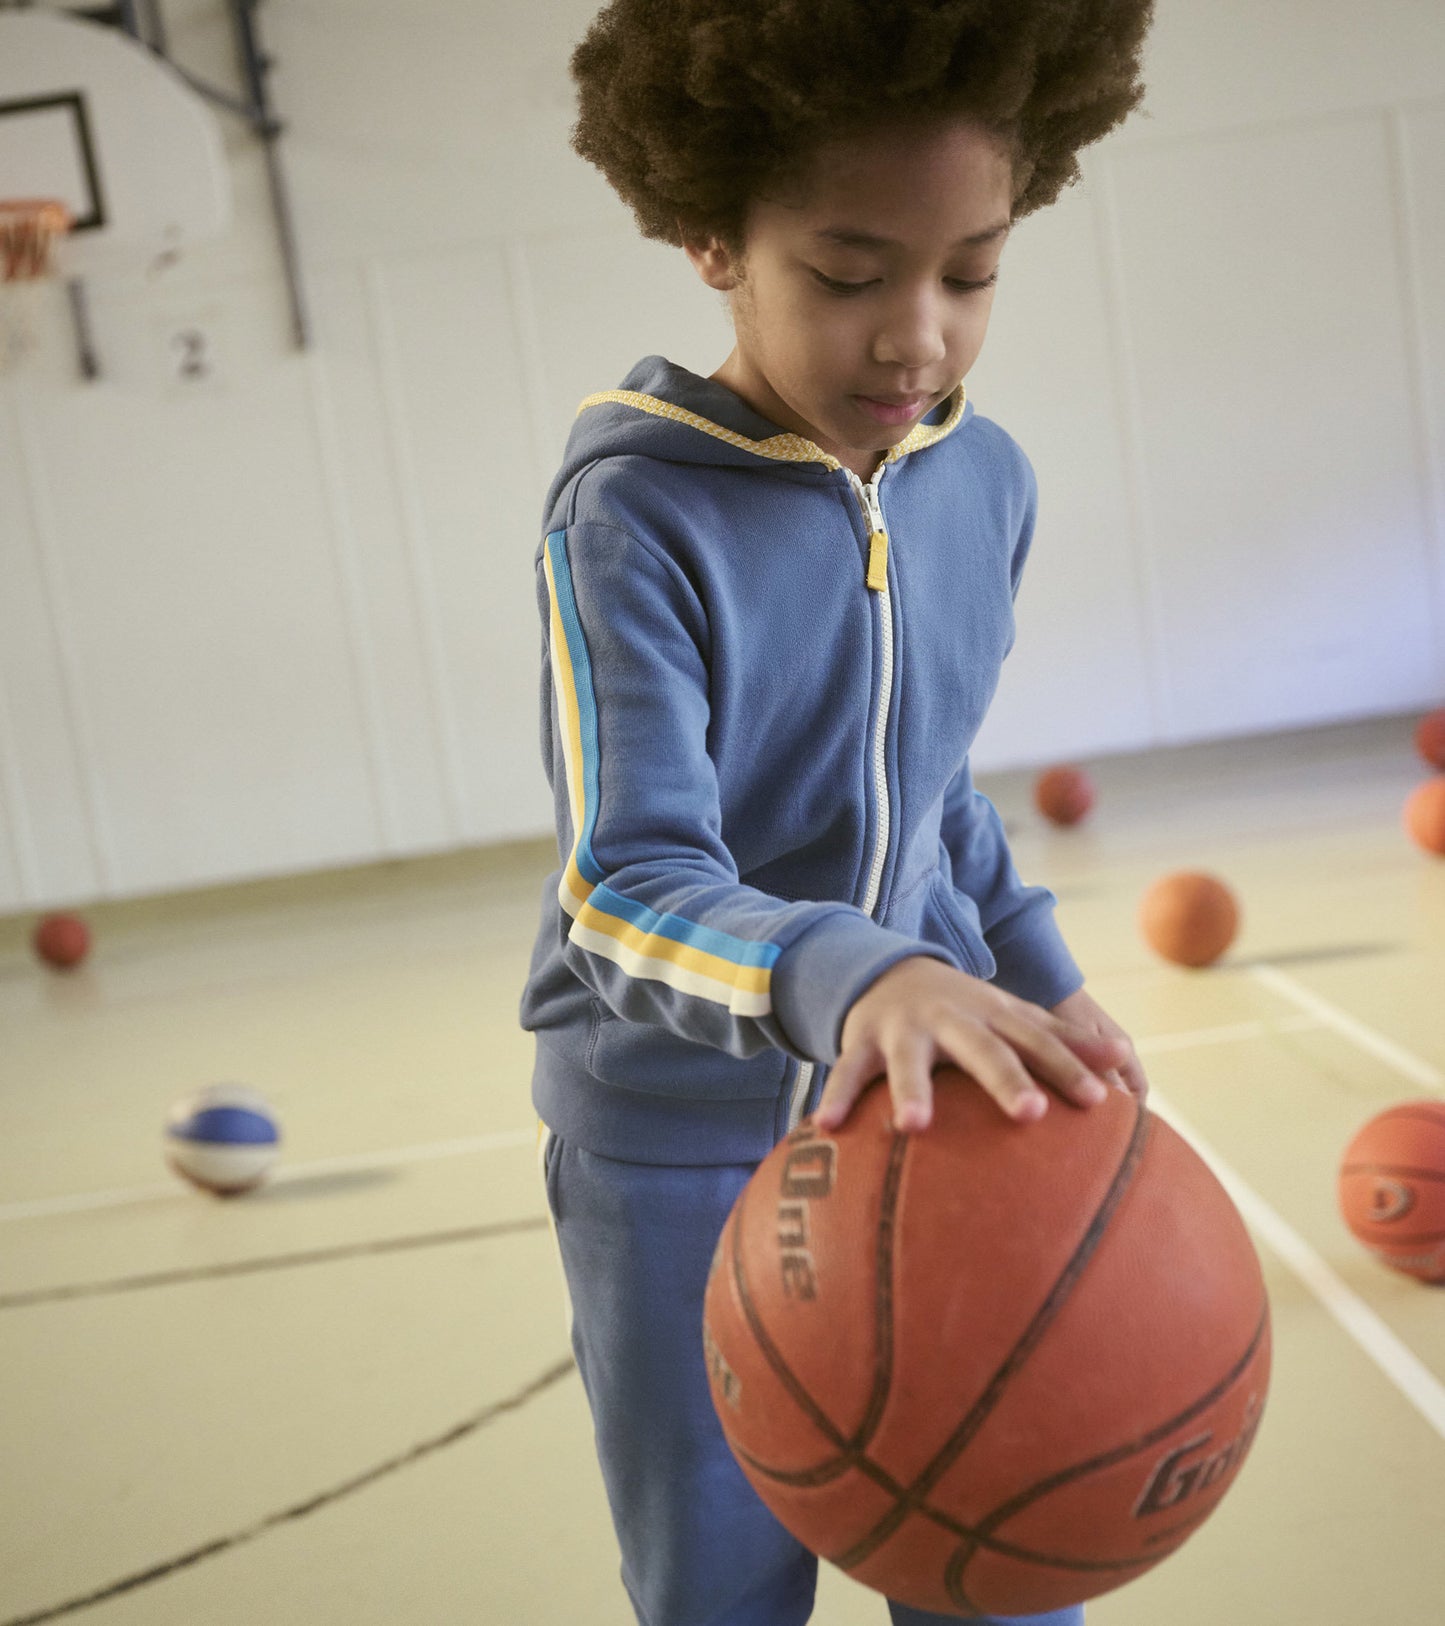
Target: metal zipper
point(877, 580)
point(878, 583)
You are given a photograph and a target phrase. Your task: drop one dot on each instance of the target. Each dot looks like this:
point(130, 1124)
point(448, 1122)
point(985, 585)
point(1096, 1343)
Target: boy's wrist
point(821, 975)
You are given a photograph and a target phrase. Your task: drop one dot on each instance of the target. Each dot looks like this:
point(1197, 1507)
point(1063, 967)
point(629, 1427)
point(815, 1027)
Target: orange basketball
point(1430, 738)
point(1392, 1188)
point(61, 941)
point(1189, 918)
point(988, 1367)
point(1063, 795)
point(1425, 815)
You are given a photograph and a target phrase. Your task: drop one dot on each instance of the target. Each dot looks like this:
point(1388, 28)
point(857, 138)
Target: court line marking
point(1401, 1367)
point(31, 1298)
point(1234, 1033)
point(513, 1402)
point(88, 1201)
point(43, 1207)
point(1405, 1062)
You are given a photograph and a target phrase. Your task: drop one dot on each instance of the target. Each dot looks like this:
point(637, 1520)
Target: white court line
point(86, 1201)
point(1235, 1033)
point(40, 1207)
point(1405, 1062)
point(1414, 1380)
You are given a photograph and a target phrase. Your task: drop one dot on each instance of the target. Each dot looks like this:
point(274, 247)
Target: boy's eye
point(834, 286)
point(959, 284)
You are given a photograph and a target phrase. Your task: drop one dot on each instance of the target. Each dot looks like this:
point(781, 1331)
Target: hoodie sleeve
point(1030, 955)
point(655, 919)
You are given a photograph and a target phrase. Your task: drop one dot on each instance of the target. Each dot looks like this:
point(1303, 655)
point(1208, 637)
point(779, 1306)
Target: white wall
point(285, 619)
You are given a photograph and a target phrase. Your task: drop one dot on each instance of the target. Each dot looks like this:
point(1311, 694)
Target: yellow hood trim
point(781, 448)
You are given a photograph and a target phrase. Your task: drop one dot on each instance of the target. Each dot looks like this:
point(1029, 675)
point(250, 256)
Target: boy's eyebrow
point(849, 237)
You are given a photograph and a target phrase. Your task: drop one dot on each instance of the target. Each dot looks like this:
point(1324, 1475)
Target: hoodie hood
point(664, 411)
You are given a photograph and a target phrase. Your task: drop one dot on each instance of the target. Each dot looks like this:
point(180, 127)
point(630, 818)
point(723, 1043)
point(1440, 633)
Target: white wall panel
point(1047, 375)
point(452, 373)
point(216, 685)
point(1422, 133)
point(590, 334)
point(413, 127)
point(366, 505)
point(47, 846)
point(1215, 64)
point(1261, 279)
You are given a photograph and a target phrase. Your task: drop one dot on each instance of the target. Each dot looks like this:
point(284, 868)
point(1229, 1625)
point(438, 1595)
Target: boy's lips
point(893, 409)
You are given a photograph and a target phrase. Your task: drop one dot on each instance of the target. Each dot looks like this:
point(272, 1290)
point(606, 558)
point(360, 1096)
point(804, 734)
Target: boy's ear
point(712, 262)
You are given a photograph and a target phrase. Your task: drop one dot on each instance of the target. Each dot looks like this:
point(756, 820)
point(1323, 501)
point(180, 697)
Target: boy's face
point(861, 302)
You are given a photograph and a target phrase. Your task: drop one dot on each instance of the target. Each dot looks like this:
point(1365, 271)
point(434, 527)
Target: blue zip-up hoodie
point(761, 682)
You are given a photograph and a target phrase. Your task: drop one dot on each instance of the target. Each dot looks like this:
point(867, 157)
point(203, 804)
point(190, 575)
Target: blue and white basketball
point(224, 1138)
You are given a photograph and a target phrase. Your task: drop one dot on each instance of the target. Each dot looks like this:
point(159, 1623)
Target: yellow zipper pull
point(878, 561)
point(877, 577)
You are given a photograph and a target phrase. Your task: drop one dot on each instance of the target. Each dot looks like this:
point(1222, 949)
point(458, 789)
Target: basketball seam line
point(851, 1450)
point(962, 1436)
point(983, 1535)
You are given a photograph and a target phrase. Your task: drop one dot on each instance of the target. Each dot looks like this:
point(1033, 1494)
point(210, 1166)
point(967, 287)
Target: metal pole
point(255, 68)
point(84, 335)
point(155, 27)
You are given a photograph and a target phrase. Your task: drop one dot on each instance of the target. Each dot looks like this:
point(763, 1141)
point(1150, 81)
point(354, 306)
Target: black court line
point(223, 1544)
point(251, 1267)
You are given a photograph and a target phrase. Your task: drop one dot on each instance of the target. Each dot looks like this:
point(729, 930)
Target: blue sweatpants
point(698, 1546)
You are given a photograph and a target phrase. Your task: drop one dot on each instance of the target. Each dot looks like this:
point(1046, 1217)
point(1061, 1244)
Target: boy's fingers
point(910, 1082)
point(1059, 1065)
point(995, 1065)
point(1099, 1050)
point(1133, 1080)
point(852, 1070)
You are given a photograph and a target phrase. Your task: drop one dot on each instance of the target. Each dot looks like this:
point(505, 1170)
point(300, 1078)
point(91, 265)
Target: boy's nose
point(912, 337)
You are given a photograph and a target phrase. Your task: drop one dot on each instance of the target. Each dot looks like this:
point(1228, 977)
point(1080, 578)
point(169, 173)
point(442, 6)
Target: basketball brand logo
point(1172, 1482)
point(1431, 1263)
point(1390, 1200)
point(807, 1177)
point(724, 1378)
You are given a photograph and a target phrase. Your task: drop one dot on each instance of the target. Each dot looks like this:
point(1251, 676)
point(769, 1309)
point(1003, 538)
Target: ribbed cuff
point(818, 977)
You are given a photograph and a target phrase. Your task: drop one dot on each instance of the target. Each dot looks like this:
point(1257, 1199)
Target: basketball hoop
point(30, 228)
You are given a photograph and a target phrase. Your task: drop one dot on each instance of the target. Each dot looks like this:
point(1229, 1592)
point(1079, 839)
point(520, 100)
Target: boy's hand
point(1082, 1012)
point(921, 1013)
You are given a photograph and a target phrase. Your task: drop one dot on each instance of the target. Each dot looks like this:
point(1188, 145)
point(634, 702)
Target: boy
point(775, 603)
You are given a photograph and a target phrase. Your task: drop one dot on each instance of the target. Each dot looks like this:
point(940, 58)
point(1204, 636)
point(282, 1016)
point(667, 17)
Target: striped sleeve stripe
point(693, 958)
point(573, 688)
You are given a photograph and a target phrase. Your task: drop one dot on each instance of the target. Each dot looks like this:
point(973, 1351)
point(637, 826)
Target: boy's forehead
point(946, 183)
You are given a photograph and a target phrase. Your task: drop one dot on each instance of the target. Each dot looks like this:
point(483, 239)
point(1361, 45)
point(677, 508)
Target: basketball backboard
point(91, 117)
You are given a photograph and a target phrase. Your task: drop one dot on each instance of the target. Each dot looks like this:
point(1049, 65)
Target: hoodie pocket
point(950, 919)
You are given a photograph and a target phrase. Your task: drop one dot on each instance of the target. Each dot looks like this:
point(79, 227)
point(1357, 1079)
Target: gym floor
point(347, 1397)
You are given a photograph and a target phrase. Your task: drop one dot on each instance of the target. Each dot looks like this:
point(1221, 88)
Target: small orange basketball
point(1425, 815)
point(1430, 738)
point(1063, 795)
point(1189, 918)
point(1392, 1188)
point(62, 941)
point(988, 1368)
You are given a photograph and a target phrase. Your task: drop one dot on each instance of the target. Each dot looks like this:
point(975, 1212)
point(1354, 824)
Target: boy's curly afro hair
point(694, 108)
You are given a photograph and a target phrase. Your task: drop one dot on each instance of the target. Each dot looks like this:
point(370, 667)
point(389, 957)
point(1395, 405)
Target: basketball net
point(29, 231)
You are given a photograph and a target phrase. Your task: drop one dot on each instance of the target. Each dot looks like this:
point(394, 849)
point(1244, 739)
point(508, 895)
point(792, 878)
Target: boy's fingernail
point(1095, 1089)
